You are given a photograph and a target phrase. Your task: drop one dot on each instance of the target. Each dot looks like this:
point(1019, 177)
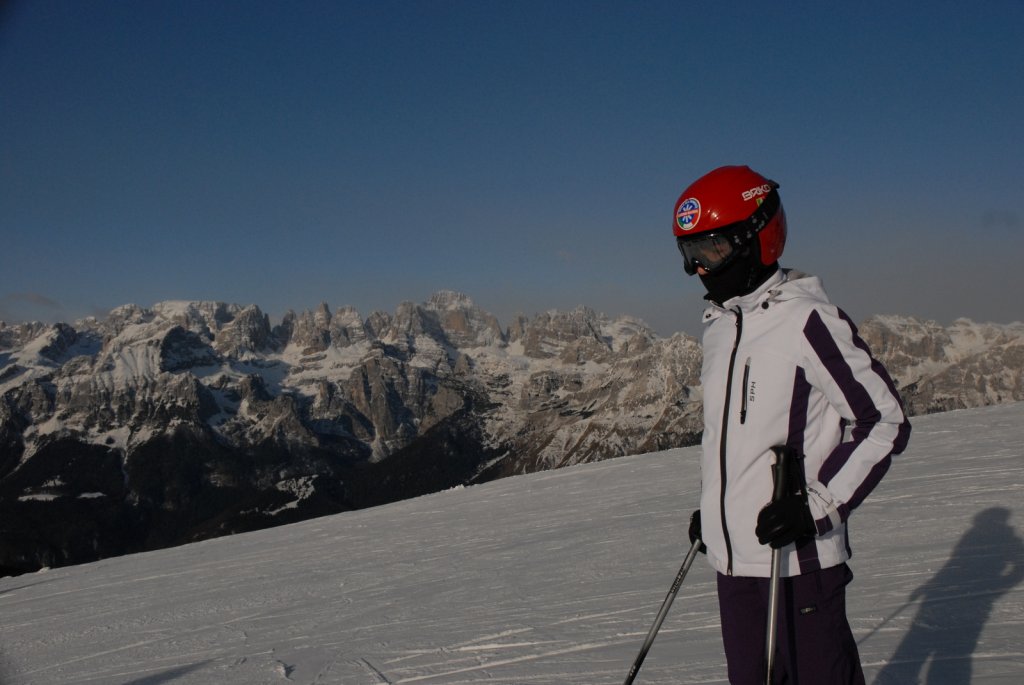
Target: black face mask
point(741, 277)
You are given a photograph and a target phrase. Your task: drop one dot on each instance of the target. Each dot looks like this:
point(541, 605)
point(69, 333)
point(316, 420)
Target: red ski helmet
point(721, 213)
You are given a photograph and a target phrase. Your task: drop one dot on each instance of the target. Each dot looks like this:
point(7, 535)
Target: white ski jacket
point(783, 366)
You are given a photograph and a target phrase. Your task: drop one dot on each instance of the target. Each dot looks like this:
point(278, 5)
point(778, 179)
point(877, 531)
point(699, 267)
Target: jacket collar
point(784, 284)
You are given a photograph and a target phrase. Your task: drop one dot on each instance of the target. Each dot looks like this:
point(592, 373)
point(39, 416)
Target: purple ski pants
point(814, 640)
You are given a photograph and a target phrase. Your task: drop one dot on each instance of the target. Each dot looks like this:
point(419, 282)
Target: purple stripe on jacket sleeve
point(865, 413)
point(903, 437)
point(824, 345)
point(798, 410)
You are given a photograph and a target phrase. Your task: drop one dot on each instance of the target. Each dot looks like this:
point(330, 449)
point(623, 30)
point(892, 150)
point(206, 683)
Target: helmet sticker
point(688, 214)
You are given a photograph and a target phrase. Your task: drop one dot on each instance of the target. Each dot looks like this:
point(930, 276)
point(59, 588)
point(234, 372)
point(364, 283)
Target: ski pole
point(663, 612)
point(888, 618)
point(780, 475)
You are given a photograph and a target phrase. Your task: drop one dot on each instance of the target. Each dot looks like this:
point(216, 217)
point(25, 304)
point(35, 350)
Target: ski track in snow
point(549, 578)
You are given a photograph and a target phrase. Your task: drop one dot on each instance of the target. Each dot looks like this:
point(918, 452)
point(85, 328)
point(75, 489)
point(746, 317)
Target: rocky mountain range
point(186, 420)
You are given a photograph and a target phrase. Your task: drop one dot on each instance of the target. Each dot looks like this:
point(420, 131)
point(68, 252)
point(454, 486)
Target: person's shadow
point(986, 563)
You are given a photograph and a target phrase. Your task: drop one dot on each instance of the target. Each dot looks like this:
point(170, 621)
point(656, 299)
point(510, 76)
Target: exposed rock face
point(938, 369)
point(185, 420)
point(347, 328)
point(245, 335)
point(464, 325)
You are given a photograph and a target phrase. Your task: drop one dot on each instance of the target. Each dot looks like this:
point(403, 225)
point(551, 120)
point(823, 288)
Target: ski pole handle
point(780, 472)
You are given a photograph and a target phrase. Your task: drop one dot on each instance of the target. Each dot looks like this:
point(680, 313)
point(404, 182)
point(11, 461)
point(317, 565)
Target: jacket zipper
point(725, 433)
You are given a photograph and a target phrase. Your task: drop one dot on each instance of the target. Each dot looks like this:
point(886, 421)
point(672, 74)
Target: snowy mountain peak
point(449, 299)
point(938, 368)
point(185, 413)
point(198, 315)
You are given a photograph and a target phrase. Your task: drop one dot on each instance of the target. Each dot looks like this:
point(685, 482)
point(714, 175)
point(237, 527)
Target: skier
point(782, 367)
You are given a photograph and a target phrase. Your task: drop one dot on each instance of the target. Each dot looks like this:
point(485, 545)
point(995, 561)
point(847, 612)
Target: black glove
point(785, 521)
point(695, 532)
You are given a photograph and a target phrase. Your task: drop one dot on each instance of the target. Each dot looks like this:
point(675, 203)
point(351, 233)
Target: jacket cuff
point(825, 508)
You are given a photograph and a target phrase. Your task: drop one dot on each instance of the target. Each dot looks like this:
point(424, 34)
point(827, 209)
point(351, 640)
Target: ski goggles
point(712, 251)
point(715, 250)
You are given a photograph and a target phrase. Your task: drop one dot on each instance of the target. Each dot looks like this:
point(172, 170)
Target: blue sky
point(525, 153)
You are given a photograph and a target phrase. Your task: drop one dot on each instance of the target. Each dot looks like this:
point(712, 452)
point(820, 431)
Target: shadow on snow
point(956, 602)
point(167, 676)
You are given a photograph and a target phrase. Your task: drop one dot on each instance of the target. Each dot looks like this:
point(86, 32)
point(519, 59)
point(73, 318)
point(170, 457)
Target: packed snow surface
point(549, 578)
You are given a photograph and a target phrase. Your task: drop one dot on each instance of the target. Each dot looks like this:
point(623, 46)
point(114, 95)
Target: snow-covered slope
point(547, 578)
